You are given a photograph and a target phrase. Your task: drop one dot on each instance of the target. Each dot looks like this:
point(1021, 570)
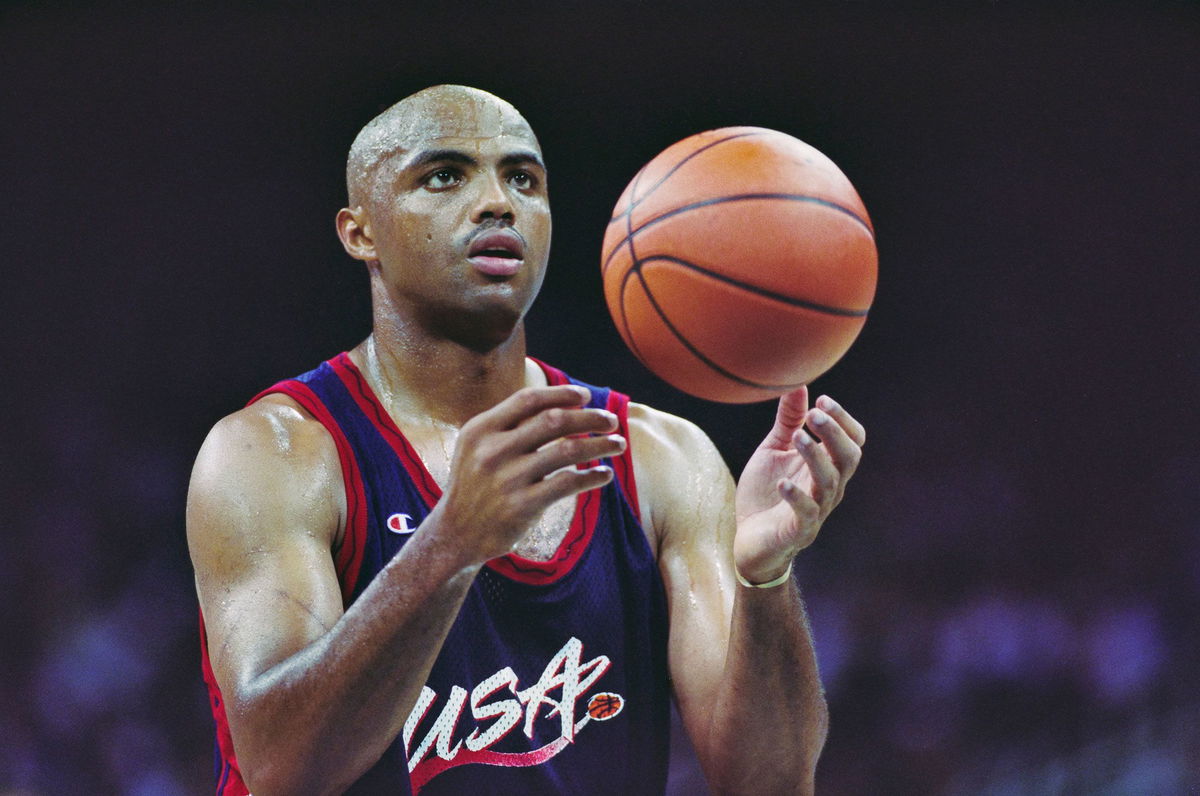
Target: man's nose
point(494, 200)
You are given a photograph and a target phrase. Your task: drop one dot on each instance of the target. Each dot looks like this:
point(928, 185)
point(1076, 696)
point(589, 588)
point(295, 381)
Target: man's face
point(460, 216)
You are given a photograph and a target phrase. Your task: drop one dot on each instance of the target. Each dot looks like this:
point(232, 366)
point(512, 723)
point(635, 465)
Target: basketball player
point(435, 565)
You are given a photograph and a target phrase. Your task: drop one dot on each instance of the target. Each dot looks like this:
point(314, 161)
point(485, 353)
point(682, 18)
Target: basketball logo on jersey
point(605, 705)
point(399, 523)
point(567, 673)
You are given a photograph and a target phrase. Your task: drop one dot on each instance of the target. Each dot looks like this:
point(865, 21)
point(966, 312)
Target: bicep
point(689, 503)
point(260, 527)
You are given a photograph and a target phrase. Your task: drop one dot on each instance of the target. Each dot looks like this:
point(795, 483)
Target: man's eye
point(522, 180)
point(442, 178)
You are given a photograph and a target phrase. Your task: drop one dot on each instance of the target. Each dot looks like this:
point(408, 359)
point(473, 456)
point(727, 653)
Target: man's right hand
point(515, 460)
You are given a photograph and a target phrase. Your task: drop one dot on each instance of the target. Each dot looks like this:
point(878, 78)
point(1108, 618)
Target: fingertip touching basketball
point(739, 264)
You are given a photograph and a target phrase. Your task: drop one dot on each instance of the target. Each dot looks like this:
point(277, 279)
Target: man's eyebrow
point(519, 158)
point(441, 156)
point(522, 158)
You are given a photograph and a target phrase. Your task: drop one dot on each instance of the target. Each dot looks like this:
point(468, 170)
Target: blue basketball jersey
point(553, 678)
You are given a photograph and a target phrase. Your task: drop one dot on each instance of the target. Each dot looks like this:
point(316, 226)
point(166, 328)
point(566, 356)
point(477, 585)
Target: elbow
point(814, 744)
point(264, 780)
point(288, 778)
point(282, 770)
point(267, 777)
point(277, 770)
point(820, 730)
point(292, 757)
point(278, 756)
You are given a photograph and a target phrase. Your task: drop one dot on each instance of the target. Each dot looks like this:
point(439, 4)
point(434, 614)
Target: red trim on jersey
point(554, 376)
point(356, 384)
point(347, 556)
point(570, 549)
point(618, 404)
point(431, 767)
point(230, 783)
point(347, 560)
point(513, 566)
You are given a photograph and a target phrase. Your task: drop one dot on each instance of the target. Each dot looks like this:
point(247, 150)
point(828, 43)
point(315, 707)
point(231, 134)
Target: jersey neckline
point(527, 570)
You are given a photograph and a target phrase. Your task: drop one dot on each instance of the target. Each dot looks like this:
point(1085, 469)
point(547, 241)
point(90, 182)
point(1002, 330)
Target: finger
point(820, 466)
point(528, 402)
point(558, 422)
point(573, 451)
point(565, 483)
point(788, 417)
point(806, 509)
point(843, 452)
point(854, 429)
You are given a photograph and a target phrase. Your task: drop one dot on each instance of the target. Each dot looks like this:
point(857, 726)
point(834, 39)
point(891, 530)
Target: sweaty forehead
point(433, 118)
point(450, 115)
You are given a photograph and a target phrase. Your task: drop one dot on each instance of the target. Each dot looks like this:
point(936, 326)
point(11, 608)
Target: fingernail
point(818, 417)
point(828, 404)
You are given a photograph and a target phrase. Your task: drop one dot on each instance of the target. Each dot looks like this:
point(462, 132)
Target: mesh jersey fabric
point(553, 678)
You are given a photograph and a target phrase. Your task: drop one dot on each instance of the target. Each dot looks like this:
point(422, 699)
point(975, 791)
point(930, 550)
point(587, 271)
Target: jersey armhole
point(347, 555)
point(618, 404)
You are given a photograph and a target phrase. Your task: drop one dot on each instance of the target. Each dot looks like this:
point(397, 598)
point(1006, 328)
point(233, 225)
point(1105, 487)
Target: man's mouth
point(497, 252)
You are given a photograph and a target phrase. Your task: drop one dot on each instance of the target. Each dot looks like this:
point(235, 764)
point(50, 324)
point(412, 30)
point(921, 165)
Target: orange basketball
point(604, 705)
point(739, 264)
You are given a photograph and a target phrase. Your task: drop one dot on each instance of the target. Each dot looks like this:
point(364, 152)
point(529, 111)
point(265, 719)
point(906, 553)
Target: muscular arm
point(264, 508)
point(742, 661)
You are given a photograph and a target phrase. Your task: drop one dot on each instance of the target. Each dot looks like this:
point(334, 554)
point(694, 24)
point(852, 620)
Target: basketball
point(739, 264)
point(605, 705)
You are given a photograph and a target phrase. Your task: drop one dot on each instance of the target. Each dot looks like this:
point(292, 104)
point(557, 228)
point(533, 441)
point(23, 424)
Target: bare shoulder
point(269, 461)
point(664, 434)
point(274, 435)
point(264, 513)
point(275, 422)
point(680, 473)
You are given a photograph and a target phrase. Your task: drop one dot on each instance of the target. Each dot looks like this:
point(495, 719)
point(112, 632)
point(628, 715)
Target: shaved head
point(428, 180)
point(433, 113)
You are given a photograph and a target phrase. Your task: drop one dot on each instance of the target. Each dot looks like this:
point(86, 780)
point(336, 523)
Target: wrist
point(767, 584)
point(450, 544)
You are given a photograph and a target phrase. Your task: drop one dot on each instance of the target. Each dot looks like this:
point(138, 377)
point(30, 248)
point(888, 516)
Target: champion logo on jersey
point(400, 523)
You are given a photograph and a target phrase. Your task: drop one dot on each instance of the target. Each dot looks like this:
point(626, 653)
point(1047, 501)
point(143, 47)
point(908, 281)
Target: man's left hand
point(792, 482)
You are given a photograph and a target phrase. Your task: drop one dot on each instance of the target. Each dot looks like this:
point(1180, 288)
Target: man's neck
point(439, 381)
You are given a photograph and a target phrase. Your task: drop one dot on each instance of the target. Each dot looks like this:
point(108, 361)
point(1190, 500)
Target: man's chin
point(488, 323)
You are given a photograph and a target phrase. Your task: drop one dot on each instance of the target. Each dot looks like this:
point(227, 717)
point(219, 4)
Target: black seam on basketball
point(788, 197)
point(637, 269)
point(628, 227)
point(634, 201)
point(633, 271)
point(637, 179)
point(629, 336)
point(794, 302)
point(625, 281)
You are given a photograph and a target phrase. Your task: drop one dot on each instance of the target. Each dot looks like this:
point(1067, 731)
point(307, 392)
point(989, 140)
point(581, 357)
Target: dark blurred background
point(1006, 602)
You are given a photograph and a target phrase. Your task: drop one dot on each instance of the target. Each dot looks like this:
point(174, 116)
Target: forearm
point(365, 673)
point(769, 719)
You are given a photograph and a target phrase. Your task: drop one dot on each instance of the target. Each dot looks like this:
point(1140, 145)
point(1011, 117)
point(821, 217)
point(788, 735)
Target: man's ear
point(354, 230)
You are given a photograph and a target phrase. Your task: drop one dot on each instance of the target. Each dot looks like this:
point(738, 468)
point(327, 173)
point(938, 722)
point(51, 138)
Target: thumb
point(793, 408)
